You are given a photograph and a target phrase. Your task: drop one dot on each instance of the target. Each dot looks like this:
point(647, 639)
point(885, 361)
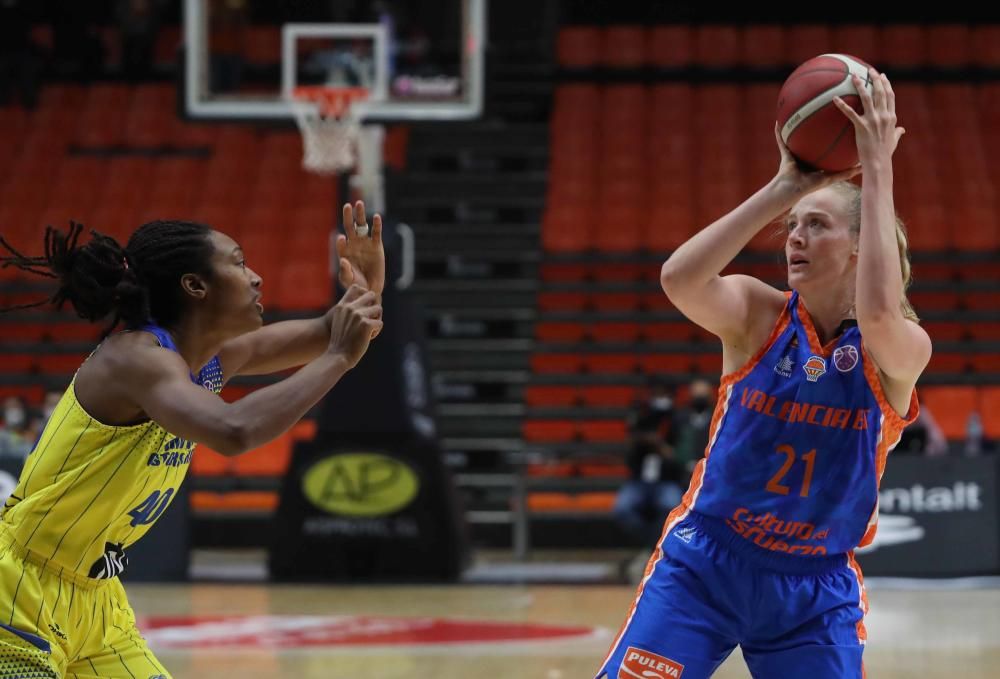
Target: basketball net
point(330, 129)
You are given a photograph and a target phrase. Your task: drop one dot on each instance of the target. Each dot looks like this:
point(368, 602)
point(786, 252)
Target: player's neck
point(196, 342)
point(828, 311)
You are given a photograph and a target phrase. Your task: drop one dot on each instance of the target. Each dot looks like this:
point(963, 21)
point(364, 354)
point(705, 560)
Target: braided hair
point(134, 284)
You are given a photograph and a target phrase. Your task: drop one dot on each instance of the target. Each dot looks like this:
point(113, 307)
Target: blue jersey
point(798, 443)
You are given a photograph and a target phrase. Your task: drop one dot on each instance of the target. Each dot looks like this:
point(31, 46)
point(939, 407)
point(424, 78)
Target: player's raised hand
point(355, 320)
point(801, 180)
point(875, 131)
point(359, 248)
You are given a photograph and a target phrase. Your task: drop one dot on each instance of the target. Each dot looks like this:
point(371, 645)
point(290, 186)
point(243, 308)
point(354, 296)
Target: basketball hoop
point(330, 127)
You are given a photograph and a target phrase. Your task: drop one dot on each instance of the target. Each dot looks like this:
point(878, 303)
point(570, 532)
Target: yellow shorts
point(55, 624)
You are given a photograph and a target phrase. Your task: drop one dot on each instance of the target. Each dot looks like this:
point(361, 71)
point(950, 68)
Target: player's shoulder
point(136, 353)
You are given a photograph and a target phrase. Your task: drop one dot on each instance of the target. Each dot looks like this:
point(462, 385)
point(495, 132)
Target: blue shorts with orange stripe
point(707, 590)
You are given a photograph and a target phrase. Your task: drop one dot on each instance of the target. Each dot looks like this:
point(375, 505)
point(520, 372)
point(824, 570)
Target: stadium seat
point(763, 46)
point(904, 45)
point(608, 396)
point(805, 41)
point(547, 431)
point(989, 408)
point(717, 45)
point(537, 396)
point(671, 46)
point(578, 46)
point(859, 40)
point(560, 332)
point(623, 47)
point(950, 406)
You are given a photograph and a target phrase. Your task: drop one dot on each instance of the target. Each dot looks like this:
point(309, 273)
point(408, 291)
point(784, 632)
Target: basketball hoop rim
point(328, 100)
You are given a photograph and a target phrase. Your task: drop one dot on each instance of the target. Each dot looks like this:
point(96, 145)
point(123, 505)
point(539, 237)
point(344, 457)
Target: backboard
point(421, 59)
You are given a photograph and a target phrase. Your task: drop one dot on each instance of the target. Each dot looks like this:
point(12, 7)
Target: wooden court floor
point(922, 633)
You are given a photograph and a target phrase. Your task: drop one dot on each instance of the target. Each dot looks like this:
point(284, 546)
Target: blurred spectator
point(689, 430)
point(922, 437)
point(975, 443)
point(138, 23)
point(20, 63)
point(653, 487)
point(17, 438)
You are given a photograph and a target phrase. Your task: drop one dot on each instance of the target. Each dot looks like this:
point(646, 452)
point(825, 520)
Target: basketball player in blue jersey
point(818, 384)
point(120, 441)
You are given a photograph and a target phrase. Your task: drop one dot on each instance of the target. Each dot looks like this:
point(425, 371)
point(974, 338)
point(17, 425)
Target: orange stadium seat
point(989, 409)
point(608, 396)
point(624, 46)
point(985, 45)
point(270, 459)
point(763, 45)
point(562, 301)
point(560, 332)
point(804, 41)
point(556, 363)
point(609, 363)
point(548, 430)
point(207, 462)
point(717, 45)
point(944, 362)
point(904, 45)
point(615, 332)
point(950, 406)
point(542, 396)
point(859, 40)
point(603, 430)
point(552, 271)
point(671, 46)
point(668, 332)
point(243, 501)
point(949, 45)
point(578, 46)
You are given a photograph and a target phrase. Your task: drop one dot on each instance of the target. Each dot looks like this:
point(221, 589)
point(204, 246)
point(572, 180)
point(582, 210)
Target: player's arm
point(276, 347)
point(900, 347)
point(289, 344)
point(159, 382)
point(729, 306)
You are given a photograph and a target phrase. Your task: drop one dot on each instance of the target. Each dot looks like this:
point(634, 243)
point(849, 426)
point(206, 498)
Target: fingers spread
point(346, 272)
point(359, 214)
point(851, 114)
point(348, 220)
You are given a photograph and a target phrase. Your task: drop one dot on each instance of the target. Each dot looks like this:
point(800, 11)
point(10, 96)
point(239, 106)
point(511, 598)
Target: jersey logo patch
point(684, 534)
point(641, 664)
point(785, 366)
point(845, 358)
point(815, 368)
point(111, 564)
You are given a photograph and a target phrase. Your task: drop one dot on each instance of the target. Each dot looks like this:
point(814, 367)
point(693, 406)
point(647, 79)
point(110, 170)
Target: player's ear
point(194, 285)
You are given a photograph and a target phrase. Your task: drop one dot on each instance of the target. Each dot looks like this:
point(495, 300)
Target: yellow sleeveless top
point(89, 490)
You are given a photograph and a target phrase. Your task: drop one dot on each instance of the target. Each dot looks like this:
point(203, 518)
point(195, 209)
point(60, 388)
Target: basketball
point(814, 129)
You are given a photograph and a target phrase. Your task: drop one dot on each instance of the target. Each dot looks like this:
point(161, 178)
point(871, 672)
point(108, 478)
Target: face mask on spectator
point(661, 403)
point(14, 417)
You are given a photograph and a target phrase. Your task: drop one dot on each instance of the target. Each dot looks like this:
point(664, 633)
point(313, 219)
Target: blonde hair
point(852, 192)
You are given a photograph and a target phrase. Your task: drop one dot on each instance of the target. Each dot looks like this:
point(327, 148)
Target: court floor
point(500, 632)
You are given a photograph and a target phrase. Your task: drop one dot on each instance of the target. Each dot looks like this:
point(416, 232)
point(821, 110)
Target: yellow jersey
point(89, 490)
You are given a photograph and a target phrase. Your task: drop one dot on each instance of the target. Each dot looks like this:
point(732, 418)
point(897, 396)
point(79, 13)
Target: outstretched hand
point(360, 251)
point(801, 180)
point(875, 131)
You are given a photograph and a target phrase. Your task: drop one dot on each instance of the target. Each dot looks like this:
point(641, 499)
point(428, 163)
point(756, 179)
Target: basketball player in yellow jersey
point(120, 441)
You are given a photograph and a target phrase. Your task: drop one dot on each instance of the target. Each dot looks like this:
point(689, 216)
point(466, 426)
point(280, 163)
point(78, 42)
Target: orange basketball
point(814, 129)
